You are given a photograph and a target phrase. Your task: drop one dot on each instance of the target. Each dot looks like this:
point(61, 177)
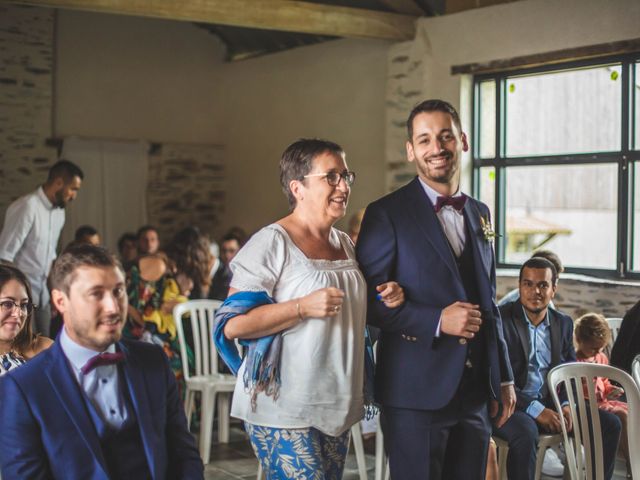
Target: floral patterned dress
point(159, 328)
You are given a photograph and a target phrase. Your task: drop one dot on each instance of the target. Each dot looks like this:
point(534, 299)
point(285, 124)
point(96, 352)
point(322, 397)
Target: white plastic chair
point(211, 384)
point(382, 462)
point(544, 441)
point(356, 439)
point(614, 325)
point(635, 369)
point(572, 376)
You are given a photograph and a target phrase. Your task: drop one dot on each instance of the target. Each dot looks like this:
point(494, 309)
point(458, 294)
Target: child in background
point(591, 335)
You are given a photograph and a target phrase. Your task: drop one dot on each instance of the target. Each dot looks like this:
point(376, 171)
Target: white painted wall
point(126, 77)
point(136, 78)
point(334, 90)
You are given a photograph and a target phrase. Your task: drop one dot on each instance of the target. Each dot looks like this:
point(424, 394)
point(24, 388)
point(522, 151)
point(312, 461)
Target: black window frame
point(627, 160)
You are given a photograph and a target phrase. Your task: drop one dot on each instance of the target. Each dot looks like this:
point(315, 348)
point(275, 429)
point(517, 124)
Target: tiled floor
point(235, 461)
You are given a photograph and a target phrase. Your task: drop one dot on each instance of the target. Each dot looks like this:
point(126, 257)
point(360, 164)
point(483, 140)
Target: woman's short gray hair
point(297, 161)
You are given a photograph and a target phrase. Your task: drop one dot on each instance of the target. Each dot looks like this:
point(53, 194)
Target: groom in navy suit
point(441, 358)
point(94, 406)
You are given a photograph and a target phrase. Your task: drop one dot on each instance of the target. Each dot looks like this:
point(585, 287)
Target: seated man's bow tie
point(455, 202)
point(102, 359)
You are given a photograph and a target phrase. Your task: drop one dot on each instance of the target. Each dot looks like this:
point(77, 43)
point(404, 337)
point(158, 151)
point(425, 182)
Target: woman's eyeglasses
point(333, 178)
point(7, 306)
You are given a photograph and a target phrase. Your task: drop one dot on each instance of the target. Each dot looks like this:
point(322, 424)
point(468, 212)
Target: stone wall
point(186, 187)
point(404, 91)
point(26, 79)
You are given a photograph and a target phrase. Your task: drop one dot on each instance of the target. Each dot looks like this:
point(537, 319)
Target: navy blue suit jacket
point(516, 333)
point(401, 239)
point(50, 434)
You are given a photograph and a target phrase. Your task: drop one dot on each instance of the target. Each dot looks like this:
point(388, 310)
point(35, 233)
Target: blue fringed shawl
point(262, 371)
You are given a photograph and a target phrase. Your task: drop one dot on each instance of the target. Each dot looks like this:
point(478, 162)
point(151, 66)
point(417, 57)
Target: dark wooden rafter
point(282, 15)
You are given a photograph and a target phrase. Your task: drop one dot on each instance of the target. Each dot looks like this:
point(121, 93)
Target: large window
point(556, 154)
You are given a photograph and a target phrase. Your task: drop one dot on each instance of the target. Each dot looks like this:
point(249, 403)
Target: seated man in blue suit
point(441, 356)
point(94, 406)
point(540, 338)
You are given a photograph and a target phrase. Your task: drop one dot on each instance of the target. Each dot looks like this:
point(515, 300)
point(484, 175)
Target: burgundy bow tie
point(455, 202)
point(102, 359)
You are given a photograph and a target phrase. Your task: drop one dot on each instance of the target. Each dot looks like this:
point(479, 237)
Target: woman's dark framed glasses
point(333, 178)
point(7, 306)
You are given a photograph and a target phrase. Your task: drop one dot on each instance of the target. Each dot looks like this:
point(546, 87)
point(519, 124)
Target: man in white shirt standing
point(32, 228)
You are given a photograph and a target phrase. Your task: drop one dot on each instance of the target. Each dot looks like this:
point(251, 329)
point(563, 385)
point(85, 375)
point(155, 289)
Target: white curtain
point(113, 194)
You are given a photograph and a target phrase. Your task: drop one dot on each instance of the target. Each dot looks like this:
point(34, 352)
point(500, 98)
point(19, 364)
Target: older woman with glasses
point(297, 301)
point(17, 341)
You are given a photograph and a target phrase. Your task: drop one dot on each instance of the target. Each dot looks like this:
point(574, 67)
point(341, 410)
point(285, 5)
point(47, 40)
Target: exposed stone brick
point(183, 190)
point(26, 65)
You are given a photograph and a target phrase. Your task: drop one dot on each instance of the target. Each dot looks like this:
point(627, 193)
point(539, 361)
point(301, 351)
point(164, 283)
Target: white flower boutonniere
point(488, 232)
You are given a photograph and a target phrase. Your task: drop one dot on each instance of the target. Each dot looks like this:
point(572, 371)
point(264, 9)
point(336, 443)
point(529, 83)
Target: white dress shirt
point(29, 238)
point(101, 385)
point(452, 220)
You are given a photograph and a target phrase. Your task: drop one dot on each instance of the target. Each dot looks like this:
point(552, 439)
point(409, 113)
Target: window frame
point(627, 160)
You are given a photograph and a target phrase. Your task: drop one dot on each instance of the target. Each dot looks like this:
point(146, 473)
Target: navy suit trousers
point(450, 443)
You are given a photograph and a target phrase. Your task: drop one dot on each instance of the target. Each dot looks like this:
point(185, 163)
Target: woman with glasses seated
point(17, 341)
point(298, 301)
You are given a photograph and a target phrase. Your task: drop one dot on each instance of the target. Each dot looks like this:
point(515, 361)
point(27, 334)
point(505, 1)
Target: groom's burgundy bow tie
point(102, 359)
point(455, 202)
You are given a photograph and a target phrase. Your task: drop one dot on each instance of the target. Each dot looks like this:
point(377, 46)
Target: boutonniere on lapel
point(488, 233)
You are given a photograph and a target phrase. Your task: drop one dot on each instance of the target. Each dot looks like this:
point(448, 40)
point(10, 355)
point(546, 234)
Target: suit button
point(404, 336)
point(462, 341)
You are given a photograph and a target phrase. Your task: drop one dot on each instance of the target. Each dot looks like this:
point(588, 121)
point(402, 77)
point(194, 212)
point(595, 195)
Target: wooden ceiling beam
point(283, 15)
point(406, 7)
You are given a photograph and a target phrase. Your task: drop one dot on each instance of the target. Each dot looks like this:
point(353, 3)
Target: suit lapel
point(522, 329)
point(71, 396)
point(480, 251)
point(556, 338)
point(140, 399)
point(427, 221)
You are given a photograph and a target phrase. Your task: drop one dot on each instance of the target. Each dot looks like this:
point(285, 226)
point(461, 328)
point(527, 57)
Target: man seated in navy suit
point(540, 338)
point(94, 406)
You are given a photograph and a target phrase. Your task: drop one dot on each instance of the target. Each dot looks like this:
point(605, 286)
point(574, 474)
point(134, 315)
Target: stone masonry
point(186, 187)
point(26, 80)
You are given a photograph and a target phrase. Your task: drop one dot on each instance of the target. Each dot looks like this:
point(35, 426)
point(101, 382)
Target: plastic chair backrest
point(574, 377)
point(614, 325)
point(635, 369)
point(201, 314)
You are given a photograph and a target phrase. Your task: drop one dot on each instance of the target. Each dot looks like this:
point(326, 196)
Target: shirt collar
point(77, 354)
point(545, 323)
point(432, 194)
point(44, 199)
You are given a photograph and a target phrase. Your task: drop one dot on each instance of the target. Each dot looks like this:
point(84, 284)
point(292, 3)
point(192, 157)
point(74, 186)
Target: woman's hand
point(391, 294)
point(326, 302)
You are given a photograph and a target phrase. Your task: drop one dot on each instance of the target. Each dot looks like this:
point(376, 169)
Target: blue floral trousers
point(298, 453)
